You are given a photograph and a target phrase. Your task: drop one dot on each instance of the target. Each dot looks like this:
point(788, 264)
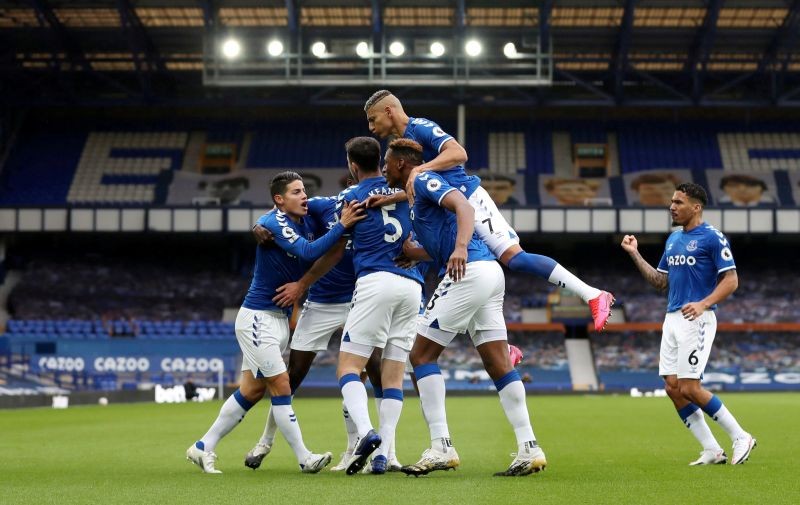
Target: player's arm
point(727, 283)
point(289, 241)
point(384, 200)
point(658, 280)
point(455, 202)
point(450, 155)
point(412, 254)
point(289, 293)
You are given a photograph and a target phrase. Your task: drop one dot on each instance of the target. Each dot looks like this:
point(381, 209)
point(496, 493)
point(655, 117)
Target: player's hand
point(376, 201)
point(288, 294)
point(263, 236)
point(410, 185)
point(457, 264)
point(352, 212)
point(630, 244)
point(404, 262)
point(692, 311)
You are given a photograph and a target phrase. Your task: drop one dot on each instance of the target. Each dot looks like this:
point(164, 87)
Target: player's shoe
point(256, 455)
point(601, 309)
point(515, 354)
point(364, 448)
point(378, 465)
point(206, 460)
point(711, 457)
point(393, 465)
point(741, 449)
point(433, 460)
point(315, 462)
point(529, 460)
point(342, 464)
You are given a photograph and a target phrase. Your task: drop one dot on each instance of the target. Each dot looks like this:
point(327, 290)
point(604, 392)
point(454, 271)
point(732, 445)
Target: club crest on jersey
point(434, 185)
point(691, 246)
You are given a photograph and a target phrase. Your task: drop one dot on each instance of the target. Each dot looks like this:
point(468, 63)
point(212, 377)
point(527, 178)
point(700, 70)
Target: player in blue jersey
point(444, 155)
point(262, 327)
point(698, 270)
point(469, 299)
point(324, 312)
point(384, 309)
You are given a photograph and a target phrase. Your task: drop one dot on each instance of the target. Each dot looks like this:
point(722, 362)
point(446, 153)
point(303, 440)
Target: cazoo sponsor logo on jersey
point(680, 259)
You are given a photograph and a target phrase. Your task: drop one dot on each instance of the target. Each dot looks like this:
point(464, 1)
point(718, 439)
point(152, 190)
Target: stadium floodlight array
point(242, 60)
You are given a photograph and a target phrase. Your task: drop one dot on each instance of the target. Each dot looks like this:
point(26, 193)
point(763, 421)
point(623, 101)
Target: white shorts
point(686, 345)
point(262, 336)
point(318, 321)
point(490, 225)
point(384, 310)
point(472, 305)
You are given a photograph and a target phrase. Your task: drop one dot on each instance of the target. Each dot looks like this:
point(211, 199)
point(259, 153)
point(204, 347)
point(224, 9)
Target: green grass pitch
point(600, 449)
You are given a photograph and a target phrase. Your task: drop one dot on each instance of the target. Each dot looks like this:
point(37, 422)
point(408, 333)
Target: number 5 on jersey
point(387, 219)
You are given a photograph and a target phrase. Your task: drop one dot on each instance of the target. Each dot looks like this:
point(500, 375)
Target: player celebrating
point(698, 269)
point(468, 299)
point(384, 309)
point(444, 155)
point(324, 312)
point(262, 328)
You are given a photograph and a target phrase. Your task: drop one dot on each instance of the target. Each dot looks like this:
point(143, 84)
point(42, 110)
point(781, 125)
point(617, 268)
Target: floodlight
point(397, 48)
point(437, 49)
point(275, 48)
point(318, 49)
point(231, 48)
point(362, 49)
point(473, 48)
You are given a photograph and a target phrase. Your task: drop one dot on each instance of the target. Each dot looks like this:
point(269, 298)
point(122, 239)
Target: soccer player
point(469, 298)
point(384, 309)
point(698, 270)
point(444, 155)
point(324, 312)
point(262, 328)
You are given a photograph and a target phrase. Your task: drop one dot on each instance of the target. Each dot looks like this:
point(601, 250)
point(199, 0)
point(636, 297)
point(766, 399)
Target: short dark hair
point(407, 149)
point(375, 98)
point(693, 191)
point(278, 184)
point(364, 152)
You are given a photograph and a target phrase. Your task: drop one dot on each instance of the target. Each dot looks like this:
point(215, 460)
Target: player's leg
point(299, 365)
point(502, 240)
point(317, 323)
point(488, 332)
point(448, 313)
point(352, 359)
point(689, 412)
point(694, 348)
point(392, 370)
point(373, 369)
point(251, 390)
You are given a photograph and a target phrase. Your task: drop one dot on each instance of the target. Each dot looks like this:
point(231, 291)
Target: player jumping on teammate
point(445, 156)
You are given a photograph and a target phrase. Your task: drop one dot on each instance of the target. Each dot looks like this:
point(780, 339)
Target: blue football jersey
point(435, 226)
point(275, 266)
point(378, 239)
point(693, 260)
point(337, 285)
point(431, 137)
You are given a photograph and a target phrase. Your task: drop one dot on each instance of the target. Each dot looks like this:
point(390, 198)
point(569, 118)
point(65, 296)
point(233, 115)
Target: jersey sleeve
point(430, 133)
point(287, 239)
point(431, 186)
point(721, 254)
point(663, 267)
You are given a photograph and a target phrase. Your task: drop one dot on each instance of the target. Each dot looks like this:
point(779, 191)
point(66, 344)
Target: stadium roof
point(596, 52)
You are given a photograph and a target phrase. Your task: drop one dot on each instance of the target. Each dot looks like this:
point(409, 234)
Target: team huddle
point(362, 256)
